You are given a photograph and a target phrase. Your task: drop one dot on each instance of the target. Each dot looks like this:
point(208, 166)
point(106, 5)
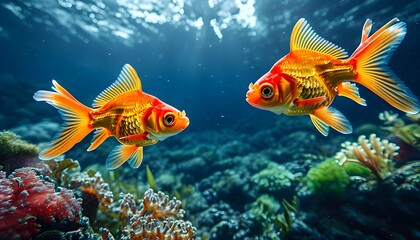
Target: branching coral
point(158, 218)
point(158, 206)
point(146, 227)
point(29, 203)
point(375, 154)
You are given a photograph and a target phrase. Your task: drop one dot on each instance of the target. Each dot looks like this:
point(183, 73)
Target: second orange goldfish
point(306, 81)
point(135, 118)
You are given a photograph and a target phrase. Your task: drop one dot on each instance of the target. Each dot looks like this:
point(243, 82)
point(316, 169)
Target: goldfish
point(135, 118)
point(307, 79)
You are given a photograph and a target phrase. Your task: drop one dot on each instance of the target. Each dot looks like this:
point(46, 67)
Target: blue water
point(196, 55)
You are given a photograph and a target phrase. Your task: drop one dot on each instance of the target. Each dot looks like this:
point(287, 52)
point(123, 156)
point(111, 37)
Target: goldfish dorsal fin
point(303, 37)
point(128, 80)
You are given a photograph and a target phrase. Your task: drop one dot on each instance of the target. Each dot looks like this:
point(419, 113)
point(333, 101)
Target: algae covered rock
point(273, 178)
point(12, 145)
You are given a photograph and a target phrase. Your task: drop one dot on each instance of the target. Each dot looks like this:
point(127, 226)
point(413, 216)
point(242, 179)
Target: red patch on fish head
point(269, 92)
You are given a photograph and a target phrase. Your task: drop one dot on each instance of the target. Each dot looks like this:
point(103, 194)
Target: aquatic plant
point(409, 133)
point(273, 178)
point(29, 203)
point(375, 154)
point(286, 220)
point(276, 225)
point(150, 178)
point(327, 178)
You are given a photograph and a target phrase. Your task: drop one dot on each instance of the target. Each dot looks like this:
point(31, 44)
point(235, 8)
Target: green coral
point(12, 145)
point(273, 178)
point(327, 178)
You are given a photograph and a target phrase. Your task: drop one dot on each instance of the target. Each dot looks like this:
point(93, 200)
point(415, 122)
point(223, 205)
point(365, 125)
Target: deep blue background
point(193, 70)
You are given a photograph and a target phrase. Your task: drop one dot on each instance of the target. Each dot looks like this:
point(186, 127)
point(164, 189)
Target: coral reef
point(158, 218)
point(94, 191)
point(30, 204)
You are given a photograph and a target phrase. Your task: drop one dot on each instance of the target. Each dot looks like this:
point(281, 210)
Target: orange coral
point(375, 154)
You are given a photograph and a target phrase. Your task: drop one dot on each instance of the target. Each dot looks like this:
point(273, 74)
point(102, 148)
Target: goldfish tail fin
point(76, 118)
point(370, 60)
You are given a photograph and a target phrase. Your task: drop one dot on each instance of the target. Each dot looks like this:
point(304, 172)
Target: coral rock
point(29, 203)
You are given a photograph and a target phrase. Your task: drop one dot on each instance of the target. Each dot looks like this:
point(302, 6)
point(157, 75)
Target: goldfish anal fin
point(119, 155)
point(320, 125)
point(303, 37)
point(370, 60)
point(128, 80)
point(333, 118)
point(76, 118)
point(350, 90)
point(101, 134)
point(310, 101)
point(136, 159)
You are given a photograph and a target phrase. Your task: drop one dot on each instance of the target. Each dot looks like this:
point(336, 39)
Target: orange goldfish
point(136, 119)
point(306, 80)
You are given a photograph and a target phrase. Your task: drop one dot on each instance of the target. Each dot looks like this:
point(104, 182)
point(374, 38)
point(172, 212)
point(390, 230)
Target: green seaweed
point(285, 221)
point(355, 169)
point(327, 178)
point(150, 179)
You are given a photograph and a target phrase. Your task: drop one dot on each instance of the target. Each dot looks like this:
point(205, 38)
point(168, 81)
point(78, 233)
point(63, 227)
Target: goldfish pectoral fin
point(119, 155)
point(100, 135)
point(334, 119)
point(128, 80)
point(372, 72)
point(366, 30)
point(303, 37)
point(310, 101)
point(320, 125)
point(136, 159)
point(76, 118)
point(350, 90)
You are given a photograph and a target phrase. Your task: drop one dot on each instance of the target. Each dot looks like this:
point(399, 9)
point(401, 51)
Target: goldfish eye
point(267, 91)
point(169, 119)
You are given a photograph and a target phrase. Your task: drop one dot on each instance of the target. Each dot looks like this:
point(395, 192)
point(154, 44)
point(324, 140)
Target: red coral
point(28, 202)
